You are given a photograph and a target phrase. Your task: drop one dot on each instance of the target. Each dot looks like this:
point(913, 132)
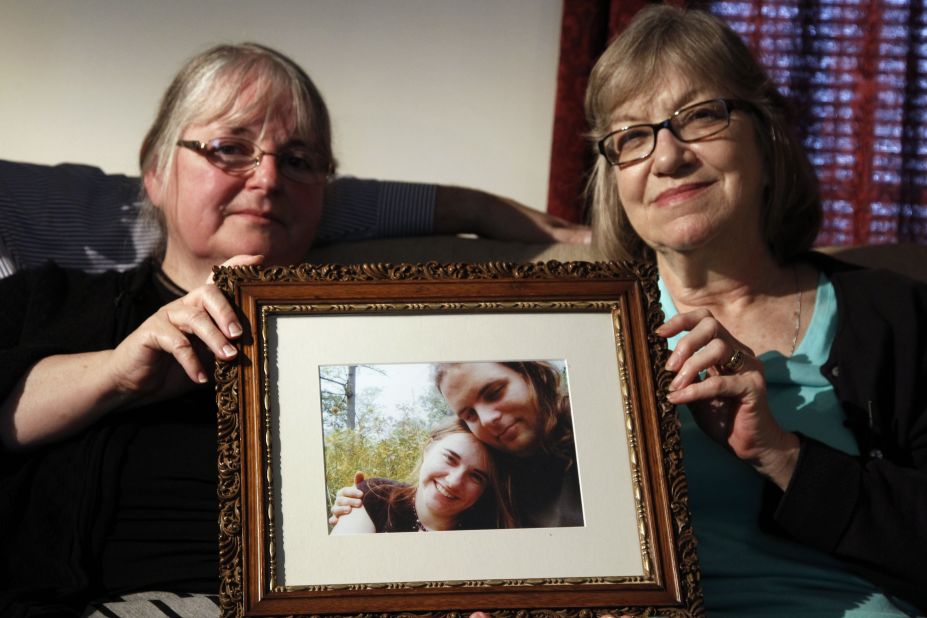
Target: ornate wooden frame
point(628, 291)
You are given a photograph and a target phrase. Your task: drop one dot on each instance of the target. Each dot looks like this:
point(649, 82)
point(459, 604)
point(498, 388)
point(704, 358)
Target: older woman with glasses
point(107, 420)
point(799, 378)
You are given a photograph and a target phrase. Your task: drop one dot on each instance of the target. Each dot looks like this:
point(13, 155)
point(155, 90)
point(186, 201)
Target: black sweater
point(128, 504)
point(870, 510)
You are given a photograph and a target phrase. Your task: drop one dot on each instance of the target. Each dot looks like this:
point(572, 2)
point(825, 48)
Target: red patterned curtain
point(857, 73)
point(586, 29)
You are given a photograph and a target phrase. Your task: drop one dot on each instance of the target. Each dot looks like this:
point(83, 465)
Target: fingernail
point(672, 362)
point(676, 382)
point(672, 396)
point(229, 350)
point(235, 329)
point(201, 378)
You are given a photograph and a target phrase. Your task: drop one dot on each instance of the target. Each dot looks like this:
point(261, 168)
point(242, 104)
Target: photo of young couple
point(449, 446)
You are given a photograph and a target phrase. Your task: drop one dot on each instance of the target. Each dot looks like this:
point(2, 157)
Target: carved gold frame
point(628, 291)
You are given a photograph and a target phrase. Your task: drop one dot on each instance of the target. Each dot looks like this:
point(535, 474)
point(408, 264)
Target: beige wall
point(452, 91)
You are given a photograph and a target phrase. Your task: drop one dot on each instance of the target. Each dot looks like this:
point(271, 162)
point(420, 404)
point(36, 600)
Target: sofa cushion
point(908, 259)
point(448, 249)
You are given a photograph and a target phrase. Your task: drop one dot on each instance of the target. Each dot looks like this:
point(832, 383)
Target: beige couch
point(908, 259)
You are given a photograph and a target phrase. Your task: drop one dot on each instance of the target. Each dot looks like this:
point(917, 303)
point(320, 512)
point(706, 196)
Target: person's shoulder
point(54, 287)
point(857, 283)
point(876, 304)
point(49, 277)
point(52, 272)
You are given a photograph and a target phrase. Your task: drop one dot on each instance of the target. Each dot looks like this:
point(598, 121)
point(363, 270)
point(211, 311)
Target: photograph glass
point(451, 446)
point(303, 348)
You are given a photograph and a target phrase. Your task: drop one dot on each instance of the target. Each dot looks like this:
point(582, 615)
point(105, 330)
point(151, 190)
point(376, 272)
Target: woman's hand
point(347, 499)
point(168, 353)
point(729, 404)
point(165, 356)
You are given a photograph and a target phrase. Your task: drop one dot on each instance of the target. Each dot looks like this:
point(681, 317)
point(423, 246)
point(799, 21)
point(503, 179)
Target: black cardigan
point(57, 502)
point(870, 510)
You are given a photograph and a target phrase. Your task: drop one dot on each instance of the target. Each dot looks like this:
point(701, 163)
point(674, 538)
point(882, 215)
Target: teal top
point(746, 572)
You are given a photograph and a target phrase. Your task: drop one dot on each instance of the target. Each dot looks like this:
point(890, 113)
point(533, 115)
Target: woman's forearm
point(355, 522)
point(462, 210)
point(57, 397)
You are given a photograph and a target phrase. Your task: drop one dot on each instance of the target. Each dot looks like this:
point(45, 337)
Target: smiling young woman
point(457, 486)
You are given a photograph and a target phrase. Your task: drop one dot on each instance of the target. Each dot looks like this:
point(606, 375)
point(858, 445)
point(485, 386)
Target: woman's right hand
point(168, 353)
point(347, 499)
point(162, 358)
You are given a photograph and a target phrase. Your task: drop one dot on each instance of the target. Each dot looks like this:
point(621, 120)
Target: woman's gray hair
point(664, 39)
point(240, 84)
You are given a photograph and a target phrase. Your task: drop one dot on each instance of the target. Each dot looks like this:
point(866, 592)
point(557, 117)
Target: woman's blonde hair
point(663, 40)
point(240, 84)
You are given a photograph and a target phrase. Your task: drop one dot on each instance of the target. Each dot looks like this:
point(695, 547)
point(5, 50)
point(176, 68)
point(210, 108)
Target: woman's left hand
point(730, 403)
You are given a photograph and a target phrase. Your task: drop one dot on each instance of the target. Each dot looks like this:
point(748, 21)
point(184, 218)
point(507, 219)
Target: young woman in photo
point(456, 487)
point(520, 411)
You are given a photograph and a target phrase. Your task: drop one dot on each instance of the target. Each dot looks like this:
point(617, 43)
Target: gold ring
point(735, 363)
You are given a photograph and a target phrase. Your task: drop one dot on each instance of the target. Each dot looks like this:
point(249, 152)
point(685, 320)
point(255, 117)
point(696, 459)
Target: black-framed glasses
point(237, 155)
point(692, 123)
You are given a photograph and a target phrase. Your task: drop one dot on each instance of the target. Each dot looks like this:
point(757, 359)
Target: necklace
point(418, 526)
point(797, 313)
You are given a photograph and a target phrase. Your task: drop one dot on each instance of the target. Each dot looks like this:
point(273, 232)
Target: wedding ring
point(734, 364)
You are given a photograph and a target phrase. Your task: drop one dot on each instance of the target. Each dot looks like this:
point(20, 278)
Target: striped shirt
point(79, 217)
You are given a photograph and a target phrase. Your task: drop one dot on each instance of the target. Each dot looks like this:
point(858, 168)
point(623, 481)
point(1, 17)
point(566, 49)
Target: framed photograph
point(496, 438)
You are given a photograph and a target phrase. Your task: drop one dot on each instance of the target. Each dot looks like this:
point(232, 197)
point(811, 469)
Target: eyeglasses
point(692, 123)
point(235, 155)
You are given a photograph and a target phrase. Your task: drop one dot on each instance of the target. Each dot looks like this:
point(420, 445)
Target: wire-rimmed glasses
point(692, 123)
point(237, 155)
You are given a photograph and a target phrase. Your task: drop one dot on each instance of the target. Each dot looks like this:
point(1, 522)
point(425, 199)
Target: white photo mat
point(608, 545)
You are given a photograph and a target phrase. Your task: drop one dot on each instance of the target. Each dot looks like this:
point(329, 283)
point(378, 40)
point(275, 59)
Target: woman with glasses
point(799, 378)
point(107, 420)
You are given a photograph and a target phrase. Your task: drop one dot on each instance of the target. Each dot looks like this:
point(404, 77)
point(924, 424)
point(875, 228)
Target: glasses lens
point(701, 120)
point(301, 164)
point(632, 143)
point(240, 155)
point(230, 153)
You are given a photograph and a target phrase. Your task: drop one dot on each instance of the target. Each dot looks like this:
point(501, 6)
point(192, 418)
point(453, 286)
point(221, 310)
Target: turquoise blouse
point(746, 572)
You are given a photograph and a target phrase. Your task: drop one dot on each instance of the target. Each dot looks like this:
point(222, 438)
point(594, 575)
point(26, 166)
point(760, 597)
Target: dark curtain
point(856, 72)
point(586, 29)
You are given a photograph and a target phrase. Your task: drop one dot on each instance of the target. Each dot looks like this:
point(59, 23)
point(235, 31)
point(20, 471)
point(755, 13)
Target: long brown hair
point(553, 402)
point(494, 507)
